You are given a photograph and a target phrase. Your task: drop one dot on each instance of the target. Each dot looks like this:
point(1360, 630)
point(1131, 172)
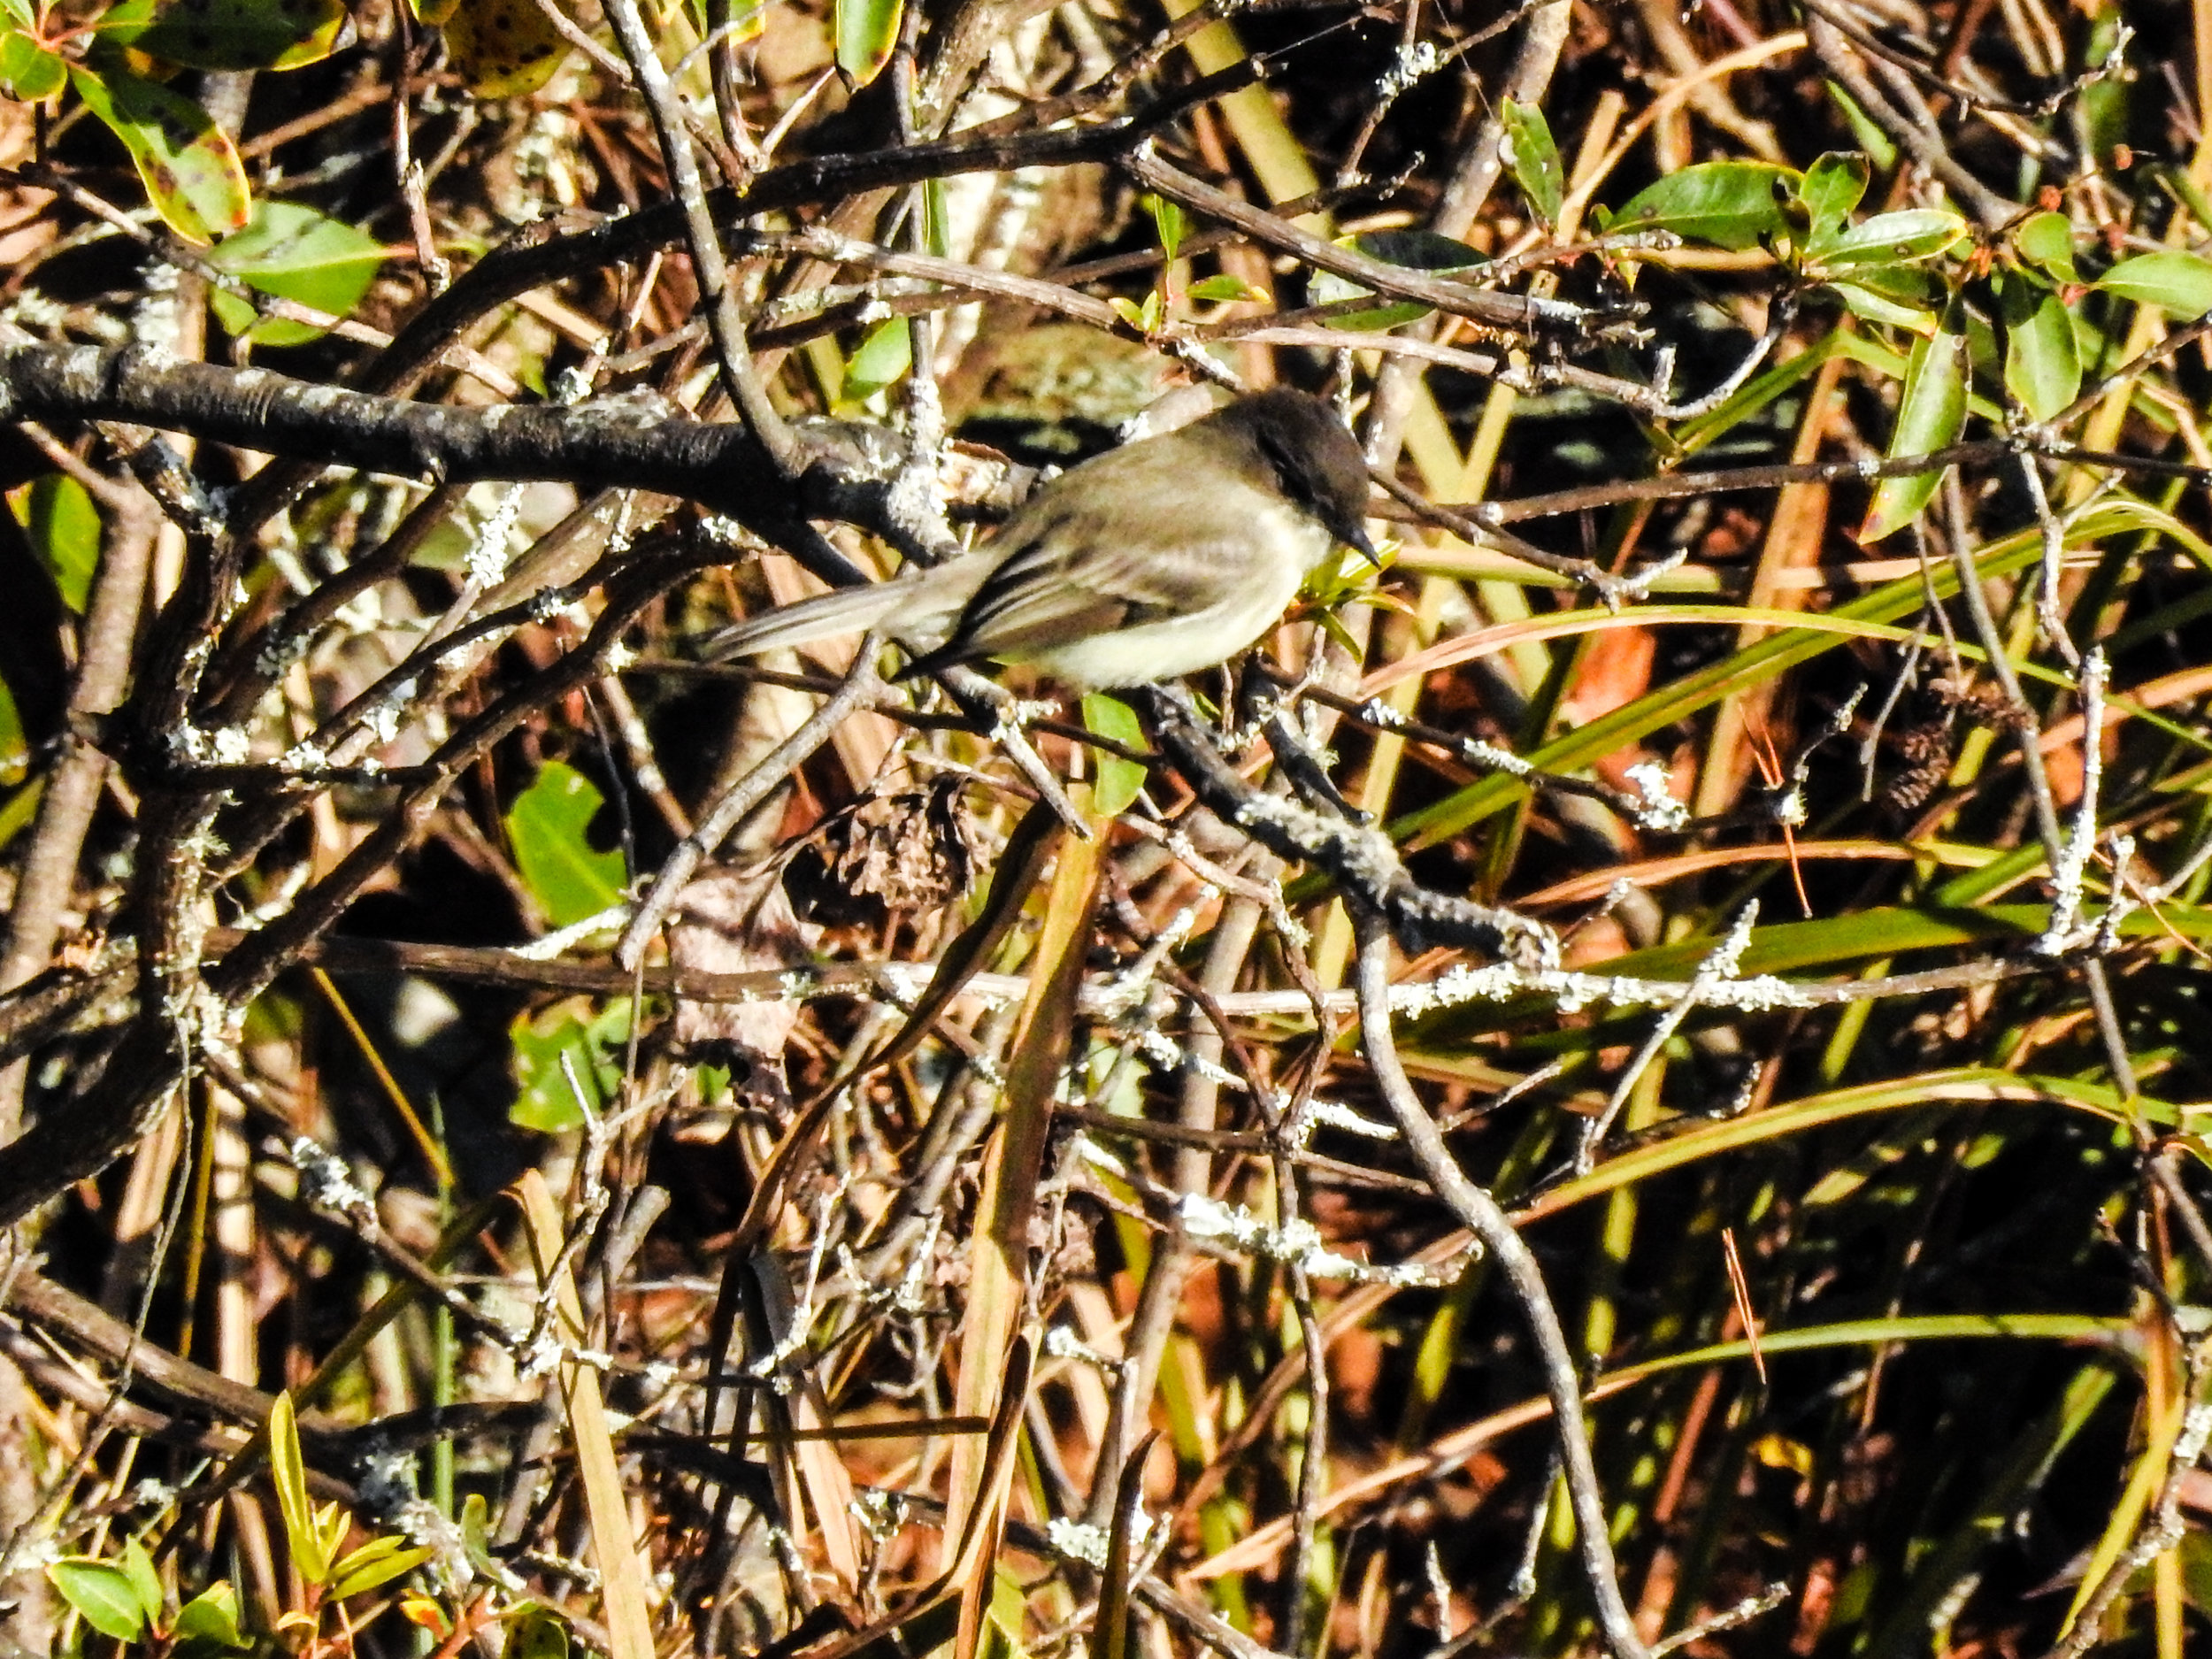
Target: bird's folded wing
point(1075, 579)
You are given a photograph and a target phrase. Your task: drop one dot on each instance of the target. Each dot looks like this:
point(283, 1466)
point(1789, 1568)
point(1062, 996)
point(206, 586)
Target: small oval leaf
point(27, 70)
point(1834, 185)
point(296, 253)
point(63, 527)
point(2042, 364)
point(103, 1594)
point(1731, 204)
point(1929, 416)
point(2046, 240)
point(1901, 238)
point(1534, 158)
point(2180, 283)
point(570, 878)
point(1119, 781)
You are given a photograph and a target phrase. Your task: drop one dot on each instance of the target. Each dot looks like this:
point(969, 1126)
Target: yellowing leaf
point(189, 166)
point(503, 48)
point(867, 30)
point(243, 33)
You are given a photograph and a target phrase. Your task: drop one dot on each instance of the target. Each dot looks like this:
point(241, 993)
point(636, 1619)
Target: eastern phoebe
point(1154, 560)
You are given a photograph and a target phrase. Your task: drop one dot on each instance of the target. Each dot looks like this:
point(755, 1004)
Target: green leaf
point(288, 1473)
point(1929, 416)
point(1834, 185)
point(2178, 282)
point(187, 164)
point(543, 1099)
point(569, 879)
point(1215, 290)
point(21, 14)
point(63, 527)
point(27, 70)
point(1167, 219)
point(1416, 251)
point(1731, 204)
point(1871, 138)
point(2042, 364)
point(15, 754)
point(243, 33)
point(103, 1594)
point(2047, 240)
point(209, 1621)
point(139, 1567)
point(1120, 780)
point(1919, 233)
point(867, 32)
point(533, 1631)
point(379, 1561)
point(294, 253)
point(503, 48)
point(1864, 299)
point(883, 359)
point(1533, 158)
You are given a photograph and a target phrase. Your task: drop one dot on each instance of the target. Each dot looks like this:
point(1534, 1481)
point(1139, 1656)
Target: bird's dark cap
point(1316, 460)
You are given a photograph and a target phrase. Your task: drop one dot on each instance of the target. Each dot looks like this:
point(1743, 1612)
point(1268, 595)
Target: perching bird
point(1154, 560)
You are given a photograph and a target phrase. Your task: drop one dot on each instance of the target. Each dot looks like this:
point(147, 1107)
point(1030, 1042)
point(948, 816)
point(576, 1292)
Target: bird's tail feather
point(846, 610)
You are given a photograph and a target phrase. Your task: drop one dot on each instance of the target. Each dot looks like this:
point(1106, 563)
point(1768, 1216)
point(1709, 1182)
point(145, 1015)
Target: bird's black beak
point(1353, 535)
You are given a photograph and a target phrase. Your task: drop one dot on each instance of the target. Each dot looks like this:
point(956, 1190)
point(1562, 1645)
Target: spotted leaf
point(504, 49)
point(189, 166)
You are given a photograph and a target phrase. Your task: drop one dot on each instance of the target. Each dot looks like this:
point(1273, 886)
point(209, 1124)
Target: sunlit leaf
point(2046, 240)
point(883, 359)
point(243, 33)
point(15, 754)
point(1118, 782)
point(1901, 238)
point(27, 70)
point(503, 48)
point(867, 32)
point(2042, 364)
point(1833, 187)
point(569, 877)
point(63, 527)
point(287, 1472)
point(1729, 204)
point(103, 1594)
point(1534, 157)
point(1929, 416)
point(294, 252)
point(138, 1566)
point(545, 1100)
point(1167, 219)
point(209, 1621)
point(1215, 289)
point(2174, 282)
point(1862, 300)
point(191, 169)
point(377, 1562)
